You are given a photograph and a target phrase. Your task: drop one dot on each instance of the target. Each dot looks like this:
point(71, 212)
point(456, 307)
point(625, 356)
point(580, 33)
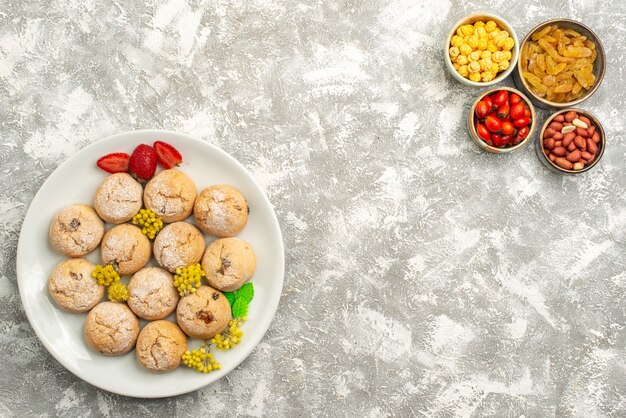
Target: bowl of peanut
point(572, 141)
point(561, 64)
point(481, 50)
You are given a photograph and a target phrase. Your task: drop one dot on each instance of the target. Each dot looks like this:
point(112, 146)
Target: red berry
point(489, 102)
point(517, 110)
point(514, 99)
point(116, 162)
point(493, 123)
point(482, 109)
point(483, 133)
point(497, 140)
point(523, 133)
point(143, 162)
point(500, 98)
point(527, 113)
point(521, 122)
point(507, 138)
point(503, 111)
point(507, 127)
point(167, 155)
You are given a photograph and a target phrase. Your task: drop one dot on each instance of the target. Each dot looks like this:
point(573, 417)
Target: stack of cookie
point(113, 328)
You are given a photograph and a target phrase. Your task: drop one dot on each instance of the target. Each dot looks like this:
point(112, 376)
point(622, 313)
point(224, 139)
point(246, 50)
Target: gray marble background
point(424, 277)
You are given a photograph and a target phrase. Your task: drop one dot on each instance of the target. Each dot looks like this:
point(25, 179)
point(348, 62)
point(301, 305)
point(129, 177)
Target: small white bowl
point(502, 25)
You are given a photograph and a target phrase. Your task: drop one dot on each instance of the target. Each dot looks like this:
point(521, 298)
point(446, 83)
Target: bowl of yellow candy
point(481, 50)
point(562, 63)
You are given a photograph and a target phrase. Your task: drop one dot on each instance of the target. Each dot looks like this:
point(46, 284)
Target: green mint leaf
point(231, 298)
point(240, 308)
point(246, 292)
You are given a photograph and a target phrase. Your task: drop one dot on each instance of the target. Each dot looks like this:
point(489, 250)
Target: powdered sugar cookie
point(76, 230)
point(178, 245)
point(72, 287)
point(126, 248)
point(160, 346)
point(228, 263)
point(111, 329)
point(203, 314)
point(221, 210)
point(118, 198)
point(171, 195)
point(151, 293)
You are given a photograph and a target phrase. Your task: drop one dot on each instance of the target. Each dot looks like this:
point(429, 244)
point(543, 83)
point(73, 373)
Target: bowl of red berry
point(502, 120)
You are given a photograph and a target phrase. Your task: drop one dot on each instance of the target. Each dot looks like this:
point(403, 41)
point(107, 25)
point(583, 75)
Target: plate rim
point(275, 224)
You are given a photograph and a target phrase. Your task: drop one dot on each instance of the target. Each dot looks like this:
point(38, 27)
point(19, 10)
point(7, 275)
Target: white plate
point(75, 181)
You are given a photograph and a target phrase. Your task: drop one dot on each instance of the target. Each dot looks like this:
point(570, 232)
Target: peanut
point(590, 131)
point(563, 163)
point(568, 129)
point(591, 146)
point(549, 133)
point(559, 151)
point(568, 138)
point(571, 147)
point(582, 132)
point(578, 166)
point(579, 123)
point(558, 136)
point(548, 143)
point(559, 118)
point(596, 137)
point(556, 126)
point(570, 116)
point(552, 157)
point(585, 119)
point(586, 155)
point(573, 156)
point(580, 142)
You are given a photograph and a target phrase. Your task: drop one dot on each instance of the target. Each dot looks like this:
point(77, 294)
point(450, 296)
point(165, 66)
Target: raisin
point(205, 316)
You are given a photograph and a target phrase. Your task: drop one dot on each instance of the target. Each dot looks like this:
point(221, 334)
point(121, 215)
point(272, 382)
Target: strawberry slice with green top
point(117, 162)
point(167, 155)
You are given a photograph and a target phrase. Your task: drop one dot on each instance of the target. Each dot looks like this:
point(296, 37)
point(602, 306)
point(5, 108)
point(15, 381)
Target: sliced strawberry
point(117, 162)
point(143, 162)
point(167, 155)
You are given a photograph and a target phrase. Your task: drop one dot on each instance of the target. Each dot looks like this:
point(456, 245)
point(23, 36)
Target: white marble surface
point(424, 277)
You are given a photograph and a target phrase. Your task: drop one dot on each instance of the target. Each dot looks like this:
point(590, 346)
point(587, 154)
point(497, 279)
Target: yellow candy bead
point(473, 41)
point(508, 44)
point(479, 24)
point(474, 56)
point(473, 67)
point(467, 29)
point(465, 49)
point(454, 52)
point(481, 33)
point(491, 47)
point(507, 55)
point(463, 70)
point(491, 26)
point(482, 44)
point(485, 55)
point(494, 34)
point(456, 41)
point(497, 57)
point(475, 77)
point(461, 59)
point(486, 76)
point(504, 65)
point(494, 68)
